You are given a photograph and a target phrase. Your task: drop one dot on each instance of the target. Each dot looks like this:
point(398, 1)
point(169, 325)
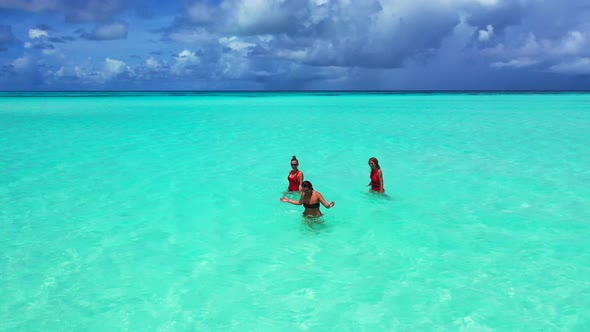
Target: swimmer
point(310, 199)
point(376, 176)
point(295, 176)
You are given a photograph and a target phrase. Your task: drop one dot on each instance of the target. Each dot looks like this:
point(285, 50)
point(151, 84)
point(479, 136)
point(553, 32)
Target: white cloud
point(153, 64)
point(531, 46)
point(297, 55)
point(566, 55)
point(22, 63)
point(61, 72)
point(51, 51)
point(236, 44)
point(260, 16)
point(488, 2)
point(81, 73)
point(37, 33)
point(485, 35)
point(572, 43)
point(253, 11)
point(515, 63)
point(578, 66)
point(110, 69)
point(113, 67)
point(184, 61)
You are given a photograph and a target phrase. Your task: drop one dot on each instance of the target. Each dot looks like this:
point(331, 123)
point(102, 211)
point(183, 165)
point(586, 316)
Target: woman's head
point(374, 162)
point(294, 162)
point(306, 186)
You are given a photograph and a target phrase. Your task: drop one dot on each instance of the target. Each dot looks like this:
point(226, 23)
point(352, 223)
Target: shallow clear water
point(130, 211)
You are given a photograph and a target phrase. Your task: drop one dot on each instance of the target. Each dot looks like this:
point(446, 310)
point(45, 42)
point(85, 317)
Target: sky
point(295, 45)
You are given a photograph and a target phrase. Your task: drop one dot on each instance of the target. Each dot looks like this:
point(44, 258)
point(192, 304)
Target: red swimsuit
point(375, 184)
point(293, 181)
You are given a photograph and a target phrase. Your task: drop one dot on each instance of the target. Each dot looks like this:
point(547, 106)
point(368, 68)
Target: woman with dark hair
point(295, 176)
point(376, 176)
point(310, 199)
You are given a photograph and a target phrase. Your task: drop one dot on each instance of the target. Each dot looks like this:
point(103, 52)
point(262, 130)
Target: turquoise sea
point(161, 212)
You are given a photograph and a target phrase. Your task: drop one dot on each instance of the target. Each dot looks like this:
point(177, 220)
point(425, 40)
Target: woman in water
point(376, 176)
point(295, 176)
point(310, 199)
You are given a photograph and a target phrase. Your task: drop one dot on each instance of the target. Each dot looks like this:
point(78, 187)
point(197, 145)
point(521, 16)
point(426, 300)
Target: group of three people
point(311, 199)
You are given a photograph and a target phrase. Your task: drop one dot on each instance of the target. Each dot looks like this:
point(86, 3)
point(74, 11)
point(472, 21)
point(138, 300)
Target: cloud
point(579, 66)
point(25, 71)
point(379, 34)
point(298, 43)
point(237, 45)
point(566, 54)
point(256, 17)
point(114, 67)
point(153, 64)
point(499, 14)
point(110, 70)
point(485, 35)
point(515, 63)
point(37, 33)
point(572, 43)
point(39, 40)
point(22, 64)
point(186, 62)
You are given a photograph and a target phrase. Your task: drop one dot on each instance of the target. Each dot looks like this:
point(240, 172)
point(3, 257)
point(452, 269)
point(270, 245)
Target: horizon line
point(320, 91)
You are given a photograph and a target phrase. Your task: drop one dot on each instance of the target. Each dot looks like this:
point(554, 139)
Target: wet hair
point(295, 158)
point(375, 161)
point(306, 184)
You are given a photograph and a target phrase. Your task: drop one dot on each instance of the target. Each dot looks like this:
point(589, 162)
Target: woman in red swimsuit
point(295, 176)
point(376, 176)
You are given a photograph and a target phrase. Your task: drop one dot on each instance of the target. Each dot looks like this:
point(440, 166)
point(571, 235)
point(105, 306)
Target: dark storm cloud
point(381, 44)
point(550, 36)
point(500, 16)
point(300, 43)
point(363, 34)
point(548, 20)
